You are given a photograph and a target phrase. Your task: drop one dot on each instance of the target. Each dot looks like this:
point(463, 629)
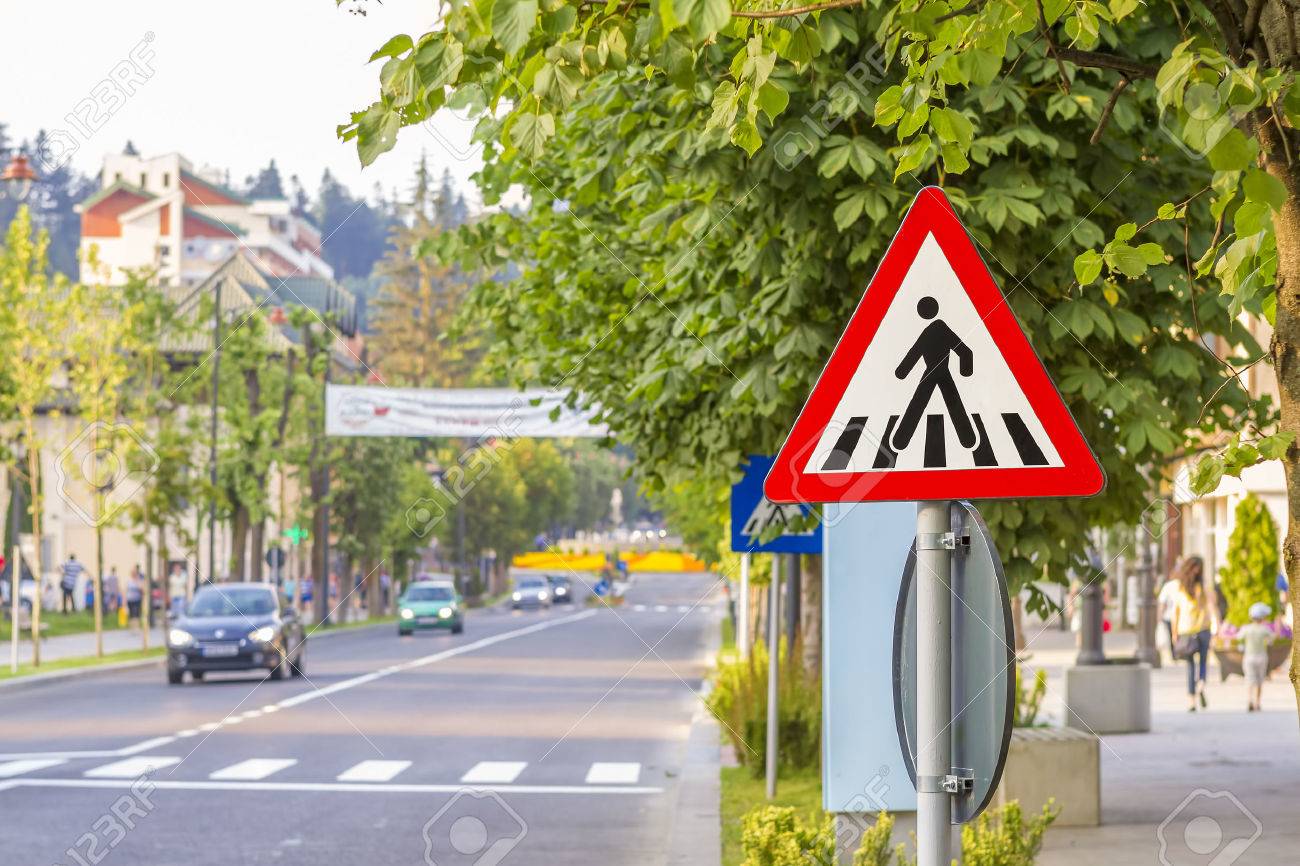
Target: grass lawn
point(741, 792)
point(335, 625)
point(81, 662)
point(54, 623)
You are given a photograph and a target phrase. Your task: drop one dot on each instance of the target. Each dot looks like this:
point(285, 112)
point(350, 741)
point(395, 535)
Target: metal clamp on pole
point(936, 541)
point(959, 781)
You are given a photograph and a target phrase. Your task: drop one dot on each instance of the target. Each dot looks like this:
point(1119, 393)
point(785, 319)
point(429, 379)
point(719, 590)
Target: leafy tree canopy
point(708, 194)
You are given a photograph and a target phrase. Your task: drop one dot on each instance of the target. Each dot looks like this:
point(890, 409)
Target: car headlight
point(265, 634)
point(179, 637)
point(518, 596)
point(407, 613)
point(542, 595)
point(444, 613)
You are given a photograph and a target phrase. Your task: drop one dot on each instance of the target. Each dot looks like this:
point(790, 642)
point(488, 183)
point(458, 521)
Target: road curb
point(33, 681)
point(37, 680)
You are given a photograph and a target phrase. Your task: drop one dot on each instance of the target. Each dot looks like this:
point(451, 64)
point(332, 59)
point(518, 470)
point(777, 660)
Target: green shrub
point(777, 836)
point(1250, 573)
point(874, 849)
point(1003, 839)
point(739, 700)
point(1029, 700)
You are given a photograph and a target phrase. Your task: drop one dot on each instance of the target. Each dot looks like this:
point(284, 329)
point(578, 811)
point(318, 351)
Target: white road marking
point(494, 772)
point(638, 607)
point(188, 732)
point(252, 769)
point(613, 773)
point(683, 608)
point(94, 753)
point(314, 694)
point(661, 608)
point(326, 787)
point(130, 768)
point(10, 769)
point(303, 698)
point(373, 771)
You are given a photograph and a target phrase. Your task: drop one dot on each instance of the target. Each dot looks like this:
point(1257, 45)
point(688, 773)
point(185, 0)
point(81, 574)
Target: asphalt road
point(535, 737)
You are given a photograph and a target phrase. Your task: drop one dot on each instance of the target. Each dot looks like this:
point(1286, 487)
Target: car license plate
point(427, 620)
point(219, 649)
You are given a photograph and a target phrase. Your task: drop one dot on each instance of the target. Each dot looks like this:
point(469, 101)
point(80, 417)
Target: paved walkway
point(1214, 786)
point(83, 644)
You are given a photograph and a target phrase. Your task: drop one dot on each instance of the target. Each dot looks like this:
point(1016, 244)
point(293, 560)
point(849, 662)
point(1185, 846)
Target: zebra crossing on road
point(367, 772)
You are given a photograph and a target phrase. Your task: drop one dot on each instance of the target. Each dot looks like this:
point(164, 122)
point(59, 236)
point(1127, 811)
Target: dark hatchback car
point(561, 588)
point(235, 627)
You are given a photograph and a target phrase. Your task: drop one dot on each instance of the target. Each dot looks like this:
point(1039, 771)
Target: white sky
point(234, 84)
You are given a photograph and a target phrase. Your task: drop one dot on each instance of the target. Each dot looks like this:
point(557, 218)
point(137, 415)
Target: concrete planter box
point(1060, 763)
point(1113, 698)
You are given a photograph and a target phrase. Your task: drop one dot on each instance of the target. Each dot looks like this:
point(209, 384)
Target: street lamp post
point(17, 179)
point(1146, 644)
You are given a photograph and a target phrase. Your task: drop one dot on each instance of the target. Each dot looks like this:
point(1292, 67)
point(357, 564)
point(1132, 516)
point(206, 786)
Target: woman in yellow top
point(1192, 621)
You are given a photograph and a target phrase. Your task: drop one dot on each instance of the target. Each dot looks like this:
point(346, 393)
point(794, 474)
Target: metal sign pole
point(742, 610)
point(773, 658)
point(934, 540)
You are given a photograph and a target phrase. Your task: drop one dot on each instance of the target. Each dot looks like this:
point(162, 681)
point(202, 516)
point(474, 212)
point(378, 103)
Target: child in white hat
point(1255, 638)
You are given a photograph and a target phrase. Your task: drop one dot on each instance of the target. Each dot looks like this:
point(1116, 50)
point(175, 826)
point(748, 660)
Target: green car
point(430, 604)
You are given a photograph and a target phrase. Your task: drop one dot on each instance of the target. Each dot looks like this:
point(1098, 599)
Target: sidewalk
point(1216, 786)
point(83, 644)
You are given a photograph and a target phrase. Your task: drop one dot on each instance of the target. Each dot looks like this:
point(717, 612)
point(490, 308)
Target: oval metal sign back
point(983, 662)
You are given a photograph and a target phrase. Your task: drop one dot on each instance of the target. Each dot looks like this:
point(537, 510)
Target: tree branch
point(973, 6)
point(1099, 60)
point(796, 10)
point(1108, 108)
point(1051, 48)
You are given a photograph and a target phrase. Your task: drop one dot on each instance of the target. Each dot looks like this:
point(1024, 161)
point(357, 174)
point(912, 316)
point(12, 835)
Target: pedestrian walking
point(112, 590)
point(176, 589)
point(71, 571)
point(134, 593)
point(1255, 638)
point(1193, 619)
point(1167, 605)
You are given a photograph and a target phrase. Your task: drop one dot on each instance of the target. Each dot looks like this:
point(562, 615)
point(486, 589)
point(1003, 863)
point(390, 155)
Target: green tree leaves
point(512, 22)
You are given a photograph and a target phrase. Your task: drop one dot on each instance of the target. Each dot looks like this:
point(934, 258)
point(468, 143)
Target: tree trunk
point(256, 554)
point(1286, 362)
point(811, 610)
point(239, 539)
point(374, 602)
point(99, 579)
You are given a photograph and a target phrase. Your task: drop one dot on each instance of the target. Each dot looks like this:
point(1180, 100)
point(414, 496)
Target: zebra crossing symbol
point(933, 391)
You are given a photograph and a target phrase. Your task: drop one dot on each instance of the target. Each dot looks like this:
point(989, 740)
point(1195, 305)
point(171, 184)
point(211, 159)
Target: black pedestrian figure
point(935, 345)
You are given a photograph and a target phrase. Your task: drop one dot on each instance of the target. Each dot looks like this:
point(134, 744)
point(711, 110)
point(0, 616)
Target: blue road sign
point(601, 587)
point(752, 512)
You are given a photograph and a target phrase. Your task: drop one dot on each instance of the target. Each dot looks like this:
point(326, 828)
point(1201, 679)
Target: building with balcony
point(159, 212)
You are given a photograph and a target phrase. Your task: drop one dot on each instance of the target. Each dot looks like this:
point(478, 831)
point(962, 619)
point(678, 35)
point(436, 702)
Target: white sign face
point(375, 410)
point(767, 514)
point(932, 391)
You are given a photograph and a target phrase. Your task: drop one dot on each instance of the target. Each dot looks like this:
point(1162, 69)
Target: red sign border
point(932, 213)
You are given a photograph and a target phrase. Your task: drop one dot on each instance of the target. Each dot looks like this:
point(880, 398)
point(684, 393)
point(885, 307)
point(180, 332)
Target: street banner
point(470, 413)
point(933, 391)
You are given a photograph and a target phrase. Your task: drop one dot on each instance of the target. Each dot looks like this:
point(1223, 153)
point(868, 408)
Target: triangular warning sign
point(933, 391)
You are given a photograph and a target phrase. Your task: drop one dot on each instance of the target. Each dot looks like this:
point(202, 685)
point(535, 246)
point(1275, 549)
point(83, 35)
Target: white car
point(531, 592)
